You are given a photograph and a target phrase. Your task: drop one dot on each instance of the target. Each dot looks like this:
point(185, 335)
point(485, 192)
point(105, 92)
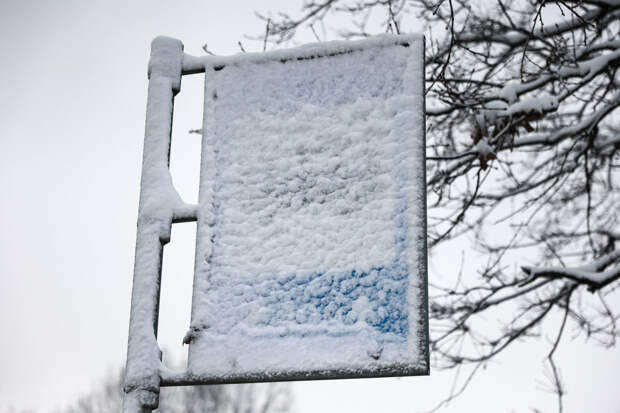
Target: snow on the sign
point(311, 231)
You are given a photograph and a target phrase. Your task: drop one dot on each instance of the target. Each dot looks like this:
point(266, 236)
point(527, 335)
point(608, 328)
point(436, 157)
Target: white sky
point(72, 114)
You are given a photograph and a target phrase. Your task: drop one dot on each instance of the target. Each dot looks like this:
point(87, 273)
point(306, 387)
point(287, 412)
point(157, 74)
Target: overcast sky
point(72, 112)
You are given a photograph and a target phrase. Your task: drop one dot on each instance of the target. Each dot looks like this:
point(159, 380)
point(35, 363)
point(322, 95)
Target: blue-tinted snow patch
point(323, 297)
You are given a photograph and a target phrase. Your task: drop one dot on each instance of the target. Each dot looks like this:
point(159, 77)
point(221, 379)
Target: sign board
point(311, 244)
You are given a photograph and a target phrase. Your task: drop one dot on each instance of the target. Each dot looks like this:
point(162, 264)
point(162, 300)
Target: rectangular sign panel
point(311, 244)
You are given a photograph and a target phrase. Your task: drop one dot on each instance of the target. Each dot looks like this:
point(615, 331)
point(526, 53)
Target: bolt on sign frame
point(311, 243)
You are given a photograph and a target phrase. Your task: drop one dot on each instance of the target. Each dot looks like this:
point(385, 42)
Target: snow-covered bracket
point(311, 237)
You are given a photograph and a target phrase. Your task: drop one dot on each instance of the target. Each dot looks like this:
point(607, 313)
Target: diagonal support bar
point(159, 204)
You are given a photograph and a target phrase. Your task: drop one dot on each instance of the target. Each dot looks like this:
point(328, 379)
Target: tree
point(246, 398)
point(523, 159)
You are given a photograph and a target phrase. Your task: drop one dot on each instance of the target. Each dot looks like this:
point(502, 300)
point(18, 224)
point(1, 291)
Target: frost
point(311, 228)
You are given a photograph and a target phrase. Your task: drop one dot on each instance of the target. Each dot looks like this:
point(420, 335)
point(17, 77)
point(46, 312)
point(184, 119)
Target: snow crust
point(311, 252)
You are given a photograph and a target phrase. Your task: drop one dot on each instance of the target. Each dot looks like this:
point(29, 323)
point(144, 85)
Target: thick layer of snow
point(311, 229)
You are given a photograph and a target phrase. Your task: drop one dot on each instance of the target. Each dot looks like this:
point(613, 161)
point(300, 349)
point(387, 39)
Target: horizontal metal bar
point(192, 64)
point(171, 378)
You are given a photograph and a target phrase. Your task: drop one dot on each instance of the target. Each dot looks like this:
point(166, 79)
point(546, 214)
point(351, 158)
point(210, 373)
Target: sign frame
point(160, 207)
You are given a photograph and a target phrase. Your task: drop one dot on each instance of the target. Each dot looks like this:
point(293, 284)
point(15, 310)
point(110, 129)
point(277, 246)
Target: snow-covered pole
point(155, 216)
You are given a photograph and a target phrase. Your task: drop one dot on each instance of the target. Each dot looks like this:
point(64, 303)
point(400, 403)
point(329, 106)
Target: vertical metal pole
point(155, 215)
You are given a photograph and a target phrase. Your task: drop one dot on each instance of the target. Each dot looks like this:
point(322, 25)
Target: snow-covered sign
point(311, 251)
point(311, 243)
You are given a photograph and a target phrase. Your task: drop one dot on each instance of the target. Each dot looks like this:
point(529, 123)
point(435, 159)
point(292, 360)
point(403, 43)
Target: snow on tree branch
point(593, 275)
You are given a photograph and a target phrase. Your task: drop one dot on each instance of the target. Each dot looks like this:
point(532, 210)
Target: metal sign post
point(311, 236)
point(157, 211)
